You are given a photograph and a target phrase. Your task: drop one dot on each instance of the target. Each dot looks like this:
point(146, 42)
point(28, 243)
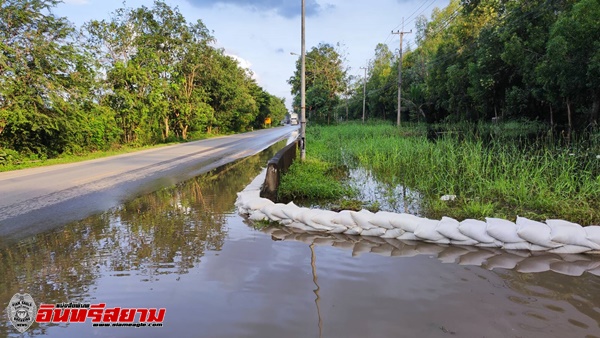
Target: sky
point(261, 34)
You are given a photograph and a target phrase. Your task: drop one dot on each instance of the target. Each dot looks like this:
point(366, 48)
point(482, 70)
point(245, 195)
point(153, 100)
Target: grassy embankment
point(494, 170)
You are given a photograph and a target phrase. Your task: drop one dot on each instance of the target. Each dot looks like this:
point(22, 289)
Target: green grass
point(495, 173)
point(313, 179)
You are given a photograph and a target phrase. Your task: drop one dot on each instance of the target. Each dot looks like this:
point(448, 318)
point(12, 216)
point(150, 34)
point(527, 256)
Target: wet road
point(38, 199)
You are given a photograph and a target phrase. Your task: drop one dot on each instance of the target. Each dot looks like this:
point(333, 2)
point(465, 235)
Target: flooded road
point(185, 249)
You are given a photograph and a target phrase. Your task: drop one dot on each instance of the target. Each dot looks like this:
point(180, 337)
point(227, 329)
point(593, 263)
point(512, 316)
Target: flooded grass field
point(186, 249)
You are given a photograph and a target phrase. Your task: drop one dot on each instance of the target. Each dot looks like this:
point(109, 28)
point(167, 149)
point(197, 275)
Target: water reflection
point(185, 249)
point(166, 232)
point(489, 258)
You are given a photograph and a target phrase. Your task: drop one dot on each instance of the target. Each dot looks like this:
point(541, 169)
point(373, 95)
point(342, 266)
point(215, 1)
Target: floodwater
point(185, 249)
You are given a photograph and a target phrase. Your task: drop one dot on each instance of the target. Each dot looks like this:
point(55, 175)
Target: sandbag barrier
point(488, 258)
point(554, 236)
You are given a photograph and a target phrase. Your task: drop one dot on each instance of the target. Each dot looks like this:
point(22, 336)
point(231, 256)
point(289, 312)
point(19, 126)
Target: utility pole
point(303, 93)
point(364, 93)
point(401, 33)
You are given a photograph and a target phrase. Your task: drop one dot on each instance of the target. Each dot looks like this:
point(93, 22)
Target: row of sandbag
point(555, 236)
point(489, 258)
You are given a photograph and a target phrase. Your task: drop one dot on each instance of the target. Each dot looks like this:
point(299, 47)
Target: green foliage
point(312, 179)
point(144, 76)
point(478, 60)
point(494, 169)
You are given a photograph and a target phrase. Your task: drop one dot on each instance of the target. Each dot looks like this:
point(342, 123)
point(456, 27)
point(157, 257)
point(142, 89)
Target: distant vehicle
point(293, 119)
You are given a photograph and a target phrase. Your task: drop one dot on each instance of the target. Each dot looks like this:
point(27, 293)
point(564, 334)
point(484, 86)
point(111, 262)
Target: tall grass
point(499, 175)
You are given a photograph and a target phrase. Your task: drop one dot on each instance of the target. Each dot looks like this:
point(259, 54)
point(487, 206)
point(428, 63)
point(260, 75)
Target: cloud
point(285, 8)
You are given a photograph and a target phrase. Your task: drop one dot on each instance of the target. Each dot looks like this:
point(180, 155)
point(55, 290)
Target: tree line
point(476, 60)
point(144, 76)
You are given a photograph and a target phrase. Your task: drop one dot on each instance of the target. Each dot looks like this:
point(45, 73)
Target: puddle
point(184, 248)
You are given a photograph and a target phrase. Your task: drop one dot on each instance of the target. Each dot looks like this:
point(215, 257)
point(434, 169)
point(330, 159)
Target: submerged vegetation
point(495, 170)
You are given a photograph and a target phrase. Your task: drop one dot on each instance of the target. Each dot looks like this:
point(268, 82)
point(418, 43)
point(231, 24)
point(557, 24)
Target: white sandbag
point(323, 217)
point(353, 231)
point(476, 230)
point(518, 246)
point(278, 212)
point(393, 233)
point(468, 242)
point(535, 232)
point(344, 218)
point(382, 219)
point(408, 236)
point(569, 233)
point(373, 232)
point(439, 241)
point(593, 233)
point(269, 210)
point(502, 230)
point(257, 216)
point(258, 203)
point(306, 218)
point(300, 226)
point(292, 211)
point(449, 228)
point(494, 244)
point(570, 249)
point(406, 222)
point(362, 218)
point(338, 229)
point(426, 230)
point(286, 221)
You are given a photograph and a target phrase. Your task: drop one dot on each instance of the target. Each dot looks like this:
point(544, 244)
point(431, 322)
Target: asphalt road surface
point(37, 199)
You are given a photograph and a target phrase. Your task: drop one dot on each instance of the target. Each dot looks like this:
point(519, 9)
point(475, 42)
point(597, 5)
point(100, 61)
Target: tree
point(325, 81)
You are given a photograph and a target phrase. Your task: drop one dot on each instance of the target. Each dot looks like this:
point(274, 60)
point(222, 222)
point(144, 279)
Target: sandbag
point(406, 222)
point(344, 218)
point(535, 232)
point(593, 233)
point(449, 228)
point(476, 230)
point(338, 229)
point(382, 219)
point(569, 233)
point(362, 218)
point(503, 230)
point(408, 236)
point(353, 231)
point(257, 216)
point(570, 249)
point(426, 230)
point(393, 233)
point(373, 232)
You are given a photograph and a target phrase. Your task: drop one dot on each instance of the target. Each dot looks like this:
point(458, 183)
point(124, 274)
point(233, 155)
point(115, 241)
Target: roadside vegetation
point(145, 76)
point(499, 170)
